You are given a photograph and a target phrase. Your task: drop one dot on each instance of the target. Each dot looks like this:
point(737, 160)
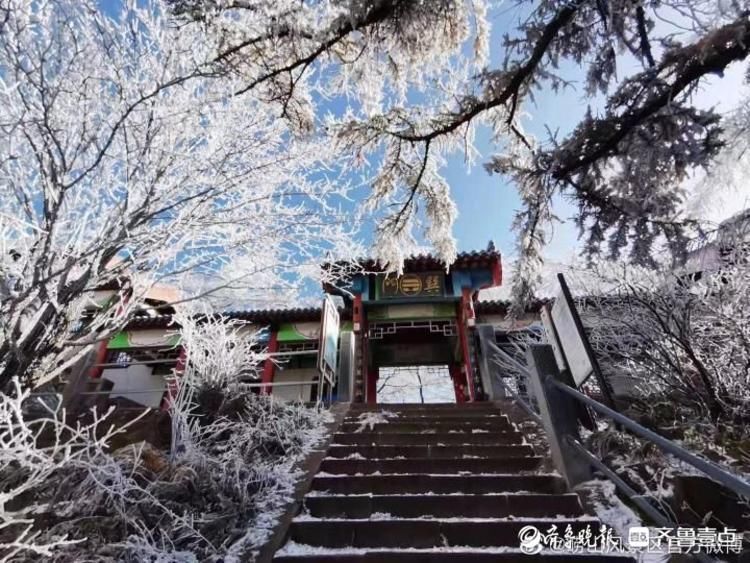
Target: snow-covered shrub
point(218, 353)
point(33, 453)
point(682, 341)
point(218, 500)
point(215, 497)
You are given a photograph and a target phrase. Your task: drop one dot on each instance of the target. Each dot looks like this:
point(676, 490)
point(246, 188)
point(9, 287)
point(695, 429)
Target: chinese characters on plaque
point(424, 284)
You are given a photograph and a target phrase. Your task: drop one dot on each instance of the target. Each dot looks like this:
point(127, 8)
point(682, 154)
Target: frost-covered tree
point(723, 188)
point(682, 338)
point(32, 452)
point(368, 55)
point(194, 139)
point(125, 163)
point(418, 74)
point(216, 496)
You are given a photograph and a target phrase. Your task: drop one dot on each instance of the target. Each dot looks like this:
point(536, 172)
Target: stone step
point(442, 421)
point(433, 452)
point(435, 483)
point(416, 439)
point(473, 414)
point(428, 556)
point(427, 465)
point(438, 484)
point(414, 533)
point(397, 426)
point(421, 406)
point(445, 506)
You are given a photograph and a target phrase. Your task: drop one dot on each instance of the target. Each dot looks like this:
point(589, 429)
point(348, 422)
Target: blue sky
point(486, 204)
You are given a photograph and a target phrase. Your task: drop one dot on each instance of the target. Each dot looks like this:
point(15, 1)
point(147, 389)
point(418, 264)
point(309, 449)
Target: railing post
point(345, 378)
point(558, 412)
point(494, 389)
point(79, 380)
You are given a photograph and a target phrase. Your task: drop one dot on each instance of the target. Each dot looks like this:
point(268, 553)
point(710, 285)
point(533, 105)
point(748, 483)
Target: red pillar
point(372, 385)
point(171, 392)
point(464, 320)
point(269, 368)
point(497, 273)
point(101, 355)
point(459, 383)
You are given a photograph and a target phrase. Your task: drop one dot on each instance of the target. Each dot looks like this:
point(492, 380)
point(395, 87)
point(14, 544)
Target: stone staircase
point(437, 483)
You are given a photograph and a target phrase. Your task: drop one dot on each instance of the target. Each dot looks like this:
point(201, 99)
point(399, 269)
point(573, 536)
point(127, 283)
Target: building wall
point(293, 332)
point(145, 338)
point(294, 392)
point(131, 382)
point(502, 322)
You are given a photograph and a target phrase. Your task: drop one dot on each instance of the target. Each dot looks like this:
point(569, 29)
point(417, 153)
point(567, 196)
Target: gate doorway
point(415, 384)
point(403, 353)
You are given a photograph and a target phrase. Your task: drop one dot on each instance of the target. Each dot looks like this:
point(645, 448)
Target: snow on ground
point(368, 420)
point(217, 498)
point(601, 497)
point(298, 549)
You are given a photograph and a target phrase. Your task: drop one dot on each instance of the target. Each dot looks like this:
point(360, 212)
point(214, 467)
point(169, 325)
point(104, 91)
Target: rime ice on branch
point(126, 162)
point(419, 100)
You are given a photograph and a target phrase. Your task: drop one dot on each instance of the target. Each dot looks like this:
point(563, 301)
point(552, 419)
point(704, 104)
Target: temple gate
point(427, 316)
point(424, 317)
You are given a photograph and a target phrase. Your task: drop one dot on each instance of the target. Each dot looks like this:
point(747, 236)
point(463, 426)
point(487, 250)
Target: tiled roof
point(264, 316)
point(502, 307)
point(426, 262)
point(148, 321)
point(298, 314)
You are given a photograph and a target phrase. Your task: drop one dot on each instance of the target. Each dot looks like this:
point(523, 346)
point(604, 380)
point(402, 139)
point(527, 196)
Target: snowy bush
point(215, 497)
point(681, 344)
point(219, 353)
point(33, 453)
point(215, 502)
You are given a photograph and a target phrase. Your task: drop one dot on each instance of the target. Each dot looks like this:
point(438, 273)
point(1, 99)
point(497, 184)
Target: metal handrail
point(739, 486)
point(292, 353)
point(497, 350)
point(517, 398)
point(732, 482)
point(159, 361)
point(637, 498)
